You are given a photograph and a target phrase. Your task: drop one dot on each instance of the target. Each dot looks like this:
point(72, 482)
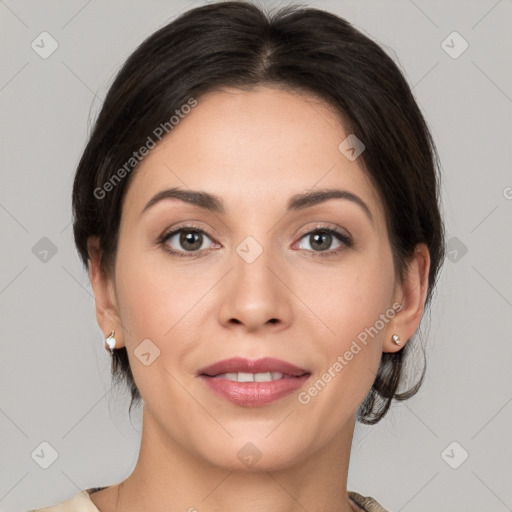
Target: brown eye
point(191, 240)
point(321, 240)
point(186, 240)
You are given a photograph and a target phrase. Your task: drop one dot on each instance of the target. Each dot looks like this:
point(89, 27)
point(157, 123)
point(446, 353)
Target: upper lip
point(240, 364)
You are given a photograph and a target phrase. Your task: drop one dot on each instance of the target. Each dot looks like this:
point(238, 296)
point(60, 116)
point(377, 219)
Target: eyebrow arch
point(307, 199)
point(297, 202)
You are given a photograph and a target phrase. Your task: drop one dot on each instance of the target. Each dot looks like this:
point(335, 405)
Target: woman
point(257, 207)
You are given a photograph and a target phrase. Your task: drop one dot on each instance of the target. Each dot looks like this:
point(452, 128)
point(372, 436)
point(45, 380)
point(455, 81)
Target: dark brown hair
point(240, 45)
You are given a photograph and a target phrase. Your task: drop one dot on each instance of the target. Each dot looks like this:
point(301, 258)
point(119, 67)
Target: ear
point(411, 293)
point(107, 314)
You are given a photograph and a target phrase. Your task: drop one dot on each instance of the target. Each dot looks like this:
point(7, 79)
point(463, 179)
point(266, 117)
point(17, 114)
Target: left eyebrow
point(297, 202)
point(307, 199)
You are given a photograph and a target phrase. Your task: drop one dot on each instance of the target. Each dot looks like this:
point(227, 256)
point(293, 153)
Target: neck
point(167, 474)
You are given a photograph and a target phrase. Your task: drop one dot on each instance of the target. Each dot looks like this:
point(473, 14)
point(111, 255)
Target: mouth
point(252, 383)
point(246, 370)
point(251, 377)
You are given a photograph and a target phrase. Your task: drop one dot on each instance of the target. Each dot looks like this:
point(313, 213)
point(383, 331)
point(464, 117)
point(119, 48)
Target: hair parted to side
point(238, 44)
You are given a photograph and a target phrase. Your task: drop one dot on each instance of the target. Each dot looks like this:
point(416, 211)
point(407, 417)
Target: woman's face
point(256, 280)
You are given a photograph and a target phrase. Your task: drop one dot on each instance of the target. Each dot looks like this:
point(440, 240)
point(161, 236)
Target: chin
point(255, 454)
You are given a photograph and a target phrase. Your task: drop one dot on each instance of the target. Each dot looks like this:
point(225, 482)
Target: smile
point(252, 377)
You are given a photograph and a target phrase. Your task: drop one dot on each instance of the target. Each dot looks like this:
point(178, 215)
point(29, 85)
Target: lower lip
point(254, 394)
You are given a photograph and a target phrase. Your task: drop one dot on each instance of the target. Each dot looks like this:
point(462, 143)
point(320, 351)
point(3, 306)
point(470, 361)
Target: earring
point(396, 339)
point(110, 343)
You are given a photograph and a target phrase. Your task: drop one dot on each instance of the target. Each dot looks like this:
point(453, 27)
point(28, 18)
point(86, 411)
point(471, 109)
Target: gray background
point(54, 373)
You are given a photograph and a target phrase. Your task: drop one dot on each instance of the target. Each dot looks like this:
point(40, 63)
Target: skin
point(254, 149)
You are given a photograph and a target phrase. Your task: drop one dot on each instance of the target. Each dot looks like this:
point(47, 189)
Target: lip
point(253, 394)
point(240, 364)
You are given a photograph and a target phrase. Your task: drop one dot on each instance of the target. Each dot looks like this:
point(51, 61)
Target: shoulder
point(367, 503)
point(78, 503)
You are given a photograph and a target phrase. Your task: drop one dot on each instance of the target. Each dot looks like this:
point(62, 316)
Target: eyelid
point(189, 226)
point(329, 227)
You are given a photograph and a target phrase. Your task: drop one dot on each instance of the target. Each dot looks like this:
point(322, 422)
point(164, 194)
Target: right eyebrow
point(201, 199)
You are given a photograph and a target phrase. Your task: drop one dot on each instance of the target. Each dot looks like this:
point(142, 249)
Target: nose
point(255, 295)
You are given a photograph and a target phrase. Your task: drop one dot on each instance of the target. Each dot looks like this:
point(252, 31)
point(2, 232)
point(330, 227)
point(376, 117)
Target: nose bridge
point(255, 295)
point(252, 274)
point(254, 253)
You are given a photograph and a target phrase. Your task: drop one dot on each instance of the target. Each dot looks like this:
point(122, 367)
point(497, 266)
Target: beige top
point(82, 503)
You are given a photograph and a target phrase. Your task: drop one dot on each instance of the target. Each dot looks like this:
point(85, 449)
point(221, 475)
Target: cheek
point(353, 298)
point(155, 305)
point(351, 348)
point(356, 308)
point(153, 295)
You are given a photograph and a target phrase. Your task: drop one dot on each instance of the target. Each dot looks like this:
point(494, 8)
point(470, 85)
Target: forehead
point(253, 148)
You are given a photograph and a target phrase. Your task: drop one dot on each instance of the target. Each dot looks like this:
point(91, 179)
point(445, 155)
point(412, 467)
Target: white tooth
point(245, 377)
point(250, 377)
point(262, 377)
point(229, 376)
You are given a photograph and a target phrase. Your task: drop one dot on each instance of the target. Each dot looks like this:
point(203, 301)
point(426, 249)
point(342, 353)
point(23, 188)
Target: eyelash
point(345, 239)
